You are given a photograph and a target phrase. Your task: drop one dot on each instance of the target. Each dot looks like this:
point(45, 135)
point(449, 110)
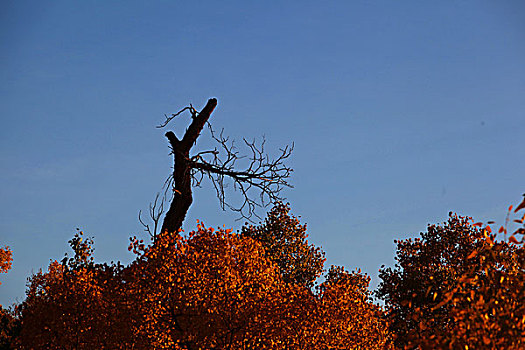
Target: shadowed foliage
point(285, 242)
point(457, 287)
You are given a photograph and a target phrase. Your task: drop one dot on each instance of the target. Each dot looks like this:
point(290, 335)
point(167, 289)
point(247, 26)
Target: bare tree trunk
point(261, 175)
point(183, 198)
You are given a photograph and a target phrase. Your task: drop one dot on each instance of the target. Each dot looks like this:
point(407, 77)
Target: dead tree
point(259, 182)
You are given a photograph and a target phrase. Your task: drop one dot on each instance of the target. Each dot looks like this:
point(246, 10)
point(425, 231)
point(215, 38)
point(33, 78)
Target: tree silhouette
point(259, 182)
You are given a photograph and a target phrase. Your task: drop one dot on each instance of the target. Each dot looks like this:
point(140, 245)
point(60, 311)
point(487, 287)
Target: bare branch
point(146, 226)
point(156, 209)
point(259, 183)
point(190, 108)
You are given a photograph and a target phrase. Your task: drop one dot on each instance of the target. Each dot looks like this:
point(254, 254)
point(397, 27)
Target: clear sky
point(400, 111)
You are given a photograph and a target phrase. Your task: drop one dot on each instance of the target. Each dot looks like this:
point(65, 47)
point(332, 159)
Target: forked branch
point(259, 182)
point(156, 209)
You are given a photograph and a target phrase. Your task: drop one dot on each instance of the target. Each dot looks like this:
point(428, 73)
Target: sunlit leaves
point(76, 304)
point(6, 259)
point(218, 289)
point(457, 286)
point(210, 289)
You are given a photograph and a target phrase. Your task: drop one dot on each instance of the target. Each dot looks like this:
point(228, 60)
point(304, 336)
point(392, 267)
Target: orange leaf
point(521, 206)
point(486, 340)
point(473, 254)
point(513, 239)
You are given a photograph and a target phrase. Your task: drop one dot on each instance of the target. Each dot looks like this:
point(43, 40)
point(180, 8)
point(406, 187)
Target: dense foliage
point(285, 243)
point(209, 289)
point(76, 304)
point(217, 290)
point(455, 287)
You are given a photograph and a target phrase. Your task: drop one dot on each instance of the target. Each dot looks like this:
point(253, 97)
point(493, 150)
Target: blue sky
point(400, 112)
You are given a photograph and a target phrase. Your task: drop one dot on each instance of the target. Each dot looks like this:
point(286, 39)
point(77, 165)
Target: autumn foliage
point(458, 286)
point(76, 304)
point(208, 289)
point(6, 259)
point(216, 289)
point(285, 243)
point(8, 323)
